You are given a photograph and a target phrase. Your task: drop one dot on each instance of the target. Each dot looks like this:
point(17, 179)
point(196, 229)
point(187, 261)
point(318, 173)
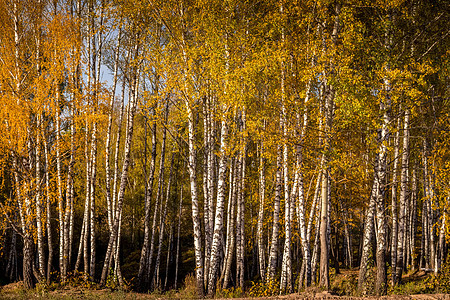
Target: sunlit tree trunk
point(367, 239)
point(158, 205)
point(286, 266)
point(207, 183)
point(49, 212)
point(413, 220)
point(126, 162)
point(109, 131)
point(441, 249)
point(316, 246)
point(380, 177)
point(218, 220)
point(301, 199)
point(86, 217)
point(259, 231)
point(192, 166)
point(394, 237)
point(39, 207)
point(231, 219)
point(162, 221)
point(240, 216)
point(403, 199)
point(276, 217)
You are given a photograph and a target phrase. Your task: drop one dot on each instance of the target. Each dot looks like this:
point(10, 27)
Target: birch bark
point(192, 166)
point(394, 238)
point(127, 153)
point(403, 198)
point(218, 220)
point(276, 217)
point(259, 231)
point(380, 177)
point(240, 227)
point(367, 239)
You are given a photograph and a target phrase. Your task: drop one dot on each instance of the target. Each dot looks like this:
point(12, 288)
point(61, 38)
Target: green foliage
point(440, 283)
point(371, 277)
point(189, 290)
point(230, 293)
point(78, 280)
point(271, 287)
point(410, 288)
point(345, 284)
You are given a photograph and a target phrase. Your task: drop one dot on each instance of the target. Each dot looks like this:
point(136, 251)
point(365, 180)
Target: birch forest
point(244, 144)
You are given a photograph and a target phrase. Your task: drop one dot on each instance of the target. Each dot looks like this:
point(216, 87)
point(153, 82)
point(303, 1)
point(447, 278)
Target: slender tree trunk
point(231, 218)
point(403, 198)
point(39, 208)
point(286, 269)
point(240, 227)
point(92, 200)
point(301, 204)
point(143, 263)
point(11, 267)
point(80, 246)
point(286, 273)
point(192, 165)
point(117, 269)
point(441, 251)
point(413, 222)
point(178, 238)
point(62, 260)
point(126, 162)
point(68, 210)
point(218, 220)
point(394, 238)
point(348, 241)
point(276, 218)
point(159, 196)
point(109, 131)
point(207, 185)
point(328, 113)
point(367, 240)
point(324, 262)
point(262, 193)
point(427, 212)
point(49, 212)
point(162, 221)
point(86, 217)
point(169, 250)
point(315, 255)
point(380, 177)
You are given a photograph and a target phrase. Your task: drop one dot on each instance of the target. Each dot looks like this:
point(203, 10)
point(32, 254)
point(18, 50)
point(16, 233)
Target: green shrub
point(345, 285)
point(189, 290)
point(271, 287)
point(440, 283)
point(409, 288)
point(230, 293)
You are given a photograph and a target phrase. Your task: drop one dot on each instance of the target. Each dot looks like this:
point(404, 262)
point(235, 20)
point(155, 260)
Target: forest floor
point(343, 287)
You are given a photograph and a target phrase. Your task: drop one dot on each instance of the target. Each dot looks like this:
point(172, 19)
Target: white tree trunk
point(218, 220)
point(276, 218)
point(394, 238)
point(126, 162)
point(259, 232)
point(403, 198)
